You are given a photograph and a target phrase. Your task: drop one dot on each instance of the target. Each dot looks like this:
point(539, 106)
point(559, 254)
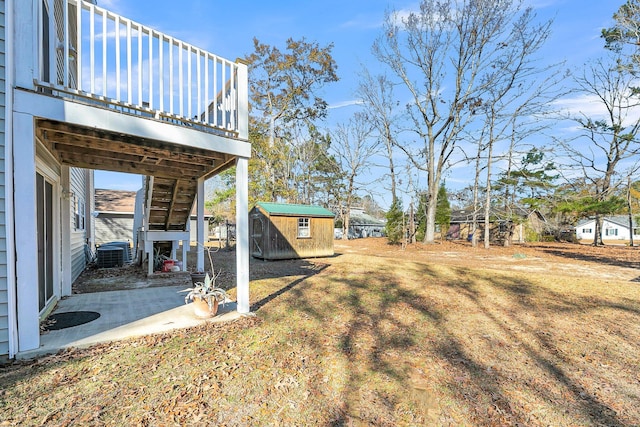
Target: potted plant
point(204, 294)
point(206, 297)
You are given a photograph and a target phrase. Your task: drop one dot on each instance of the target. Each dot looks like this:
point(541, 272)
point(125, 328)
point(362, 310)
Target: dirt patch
point(131, 276)
point(95, 279)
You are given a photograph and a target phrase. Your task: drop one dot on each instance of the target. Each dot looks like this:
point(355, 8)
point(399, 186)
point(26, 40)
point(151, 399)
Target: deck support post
point(200, 226)
point(242, 234)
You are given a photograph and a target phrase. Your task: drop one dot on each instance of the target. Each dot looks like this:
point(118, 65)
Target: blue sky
point(227, 28)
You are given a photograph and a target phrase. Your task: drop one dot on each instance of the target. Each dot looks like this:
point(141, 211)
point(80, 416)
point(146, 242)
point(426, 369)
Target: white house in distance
point(82, 88)
point(614, 229)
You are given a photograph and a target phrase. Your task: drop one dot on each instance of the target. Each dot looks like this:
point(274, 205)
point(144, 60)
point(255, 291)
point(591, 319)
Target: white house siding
point(4, 307)
point(611, 230)
point(118, 226)
point(111, 227)
point(77, 187)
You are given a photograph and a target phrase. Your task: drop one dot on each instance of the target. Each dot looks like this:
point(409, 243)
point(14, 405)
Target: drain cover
point(69, 319)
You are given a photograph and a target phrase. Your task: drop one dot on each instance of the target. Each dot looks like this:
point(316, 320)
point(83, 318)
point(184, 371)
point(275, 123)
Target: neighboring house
point(364, 225)
point(114, 217)
point(614, 228)
point(69, 105)
point(501, 224)
point(287, 231)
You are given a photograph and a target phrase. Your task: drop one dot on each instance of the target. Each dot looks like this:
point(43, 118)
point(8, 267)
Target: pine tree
point(443, 211)
point(395, 227)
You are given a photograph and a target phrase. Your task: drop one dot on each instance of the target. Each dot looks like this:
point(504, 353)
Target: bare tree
point(354, 149)
point(443, 55)
point(513, 107)
point(377, 94)
point(607, 150)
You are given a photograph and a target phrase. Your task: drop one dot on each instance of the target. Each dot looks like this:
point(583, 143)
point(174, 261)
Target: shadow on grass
point(389, 322)
point(372, 332)
point(606, 255)
point(529, 298)
point(312, 270)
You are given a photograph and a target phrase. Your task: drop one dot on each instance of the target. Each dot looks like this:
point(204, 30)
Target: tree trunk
point(392, 172)
point(597, 236)
point(508, 237)
point(429, 232)
point(487, 201)
point(476, 185)
point(412, 224)
point(345, 225)
point(629, 209)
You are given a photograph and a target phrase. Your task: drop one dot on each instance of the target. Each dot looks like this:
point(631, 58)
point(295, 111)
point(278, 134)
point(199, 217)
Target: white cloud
point(579, 105)
point(591, 106)
point(348, 103)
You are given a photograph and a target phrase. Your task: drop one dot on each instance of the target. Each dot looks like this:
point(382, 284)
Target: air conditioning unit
point(110, 256)
point(126, 248)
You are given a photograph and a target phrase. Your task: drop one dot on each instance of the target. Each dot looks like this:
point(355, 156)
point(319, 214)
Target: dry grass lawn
point(444, 335)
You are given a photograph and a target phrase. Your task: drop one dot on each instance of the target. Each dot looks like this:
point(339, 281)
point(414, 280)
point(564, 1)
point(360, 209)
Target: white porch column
point(200, 227)
point(242, 234)
point(25, 224)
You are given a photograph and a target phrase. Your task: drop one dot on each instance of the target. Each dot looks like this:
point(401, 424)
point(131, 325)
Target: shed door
point(256, 236)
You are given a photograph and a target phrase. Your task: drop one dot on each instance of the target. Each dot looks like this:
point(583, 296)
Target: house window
point(636, 231)
point(303, 228)
point(611, 232)
point(587, 231)
point(78, 209)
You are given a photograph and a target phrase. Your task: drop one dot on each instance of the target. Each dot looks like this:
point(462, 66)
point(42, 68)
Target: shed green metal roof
point(295, 210)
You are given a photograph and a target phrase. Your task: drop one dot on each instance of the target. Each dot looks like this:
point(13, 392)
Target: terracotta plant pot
point(201, 308)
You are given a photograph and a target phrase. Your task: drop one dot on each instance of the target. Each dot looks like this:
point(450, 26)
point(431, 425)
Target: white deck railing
point(108, 58)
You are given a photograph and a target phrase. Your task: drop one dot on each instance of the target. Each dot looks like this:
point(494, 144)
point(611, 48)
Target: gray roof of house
point(365, 219)
point(621, 220)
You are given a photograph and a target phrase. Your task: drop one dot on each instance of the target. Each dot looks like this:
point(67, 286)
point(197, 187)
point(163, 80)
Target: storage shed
point(287, 231)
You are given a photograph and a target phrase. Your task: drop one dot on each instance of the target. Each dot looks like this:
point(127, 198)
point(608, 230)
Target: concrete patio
point(124, 314)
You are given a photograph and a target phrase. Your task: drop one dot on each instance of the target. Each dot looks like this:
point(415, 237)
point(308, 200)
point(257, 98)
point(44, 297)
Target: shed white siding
point(4, 307)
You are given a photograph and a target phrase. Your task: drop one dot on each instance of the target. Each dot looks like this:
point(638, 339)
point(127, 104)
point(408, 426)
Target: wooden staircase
point(171, 203)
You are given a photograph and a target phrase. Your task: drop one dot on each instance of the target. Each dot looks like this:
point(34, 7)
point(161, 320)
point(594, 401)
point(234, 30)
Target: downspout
point(9, 208)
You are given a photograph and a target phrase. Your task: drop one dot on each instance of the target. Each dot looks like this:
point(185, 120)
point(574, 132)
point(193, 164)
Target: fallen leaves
point(380, 337)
